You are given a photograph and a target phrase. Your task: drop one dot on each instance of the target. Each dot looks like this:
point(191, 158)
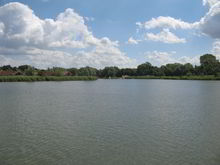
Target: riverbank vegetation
point(209, 69)
point(204, 77)
point(45, 78)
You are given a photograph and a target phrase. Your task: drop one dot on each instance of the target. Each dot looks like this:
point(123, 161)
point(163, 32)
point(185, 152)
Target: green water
point(110, 122)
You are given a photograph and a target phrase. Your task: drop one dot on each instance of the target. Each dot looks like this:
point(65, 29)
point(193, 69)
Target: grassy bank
point(47, 78)
point(176, 77)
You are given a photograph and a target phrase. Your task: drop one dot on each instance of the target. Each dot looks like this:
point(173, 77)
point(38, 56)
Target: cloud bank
point(210, 2)
point(207, 25)
point(166, 22)
point(64, 41)
point(165, 36)
point(162, 58)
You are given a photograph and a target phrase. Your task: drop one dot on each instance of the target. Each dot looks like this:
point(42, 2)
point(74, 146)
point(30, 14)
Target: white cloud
point(2, 27)
point(6, 60)
point(216, 49)
point(207, 25)
point(89, 18)
point(99, 57)
point(65, 41)
point(165, 36)
point(162, 58)
point(166, 22)
point(210, 23)
point(132, 41)
point(210, 2)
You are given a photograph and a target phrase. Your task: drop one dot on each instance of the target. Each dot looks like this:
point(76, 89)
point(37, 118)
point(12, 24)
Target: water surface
point(110, 122)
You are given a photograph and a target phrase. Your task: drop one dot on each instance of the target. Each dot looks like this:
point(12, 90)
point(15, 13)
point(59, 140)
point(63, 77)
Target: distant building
point(67, 73)
point(7, 73)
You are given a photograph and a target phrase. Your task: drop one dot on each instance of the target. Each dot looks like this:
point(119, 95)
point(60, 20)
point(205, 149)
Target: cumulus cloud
point(22, 27)
point(162, 58)
point(216, 49)
point(210, 23)
point(132, 41)
point(166, 22)
point(210, 2)
point(65, 41)
point(164, 36)
point(207, 25)
point(89, 18)
point(100, 56)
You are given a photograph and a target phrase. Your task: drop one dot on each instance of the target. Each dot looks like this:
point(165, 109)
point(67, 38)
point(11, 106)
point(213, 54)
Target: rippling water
point(110, 122)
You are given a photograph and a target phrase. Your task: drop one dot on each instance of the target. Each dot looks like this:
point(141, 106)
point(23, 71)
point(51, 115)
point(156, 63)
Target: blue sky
point(116, 21)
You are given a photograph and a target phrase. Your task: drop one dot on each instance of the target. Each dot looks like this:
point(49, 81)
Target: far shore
point(45, 78)
point(92, 78)
point(205, 77)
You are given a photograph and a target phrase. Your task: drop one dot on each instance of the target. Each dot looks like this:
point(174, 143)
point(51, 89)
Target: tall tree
point(145, 69)
point(209, 64)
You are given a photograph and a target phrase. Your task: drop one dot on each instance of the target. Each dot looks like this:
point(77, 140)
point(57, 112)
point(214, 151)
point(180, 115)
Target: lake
point(110, 122)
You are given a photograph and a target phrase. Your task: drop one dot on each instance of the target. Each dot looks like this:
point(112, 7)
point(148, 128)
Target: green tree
point(73, 71)
point(7, 67)
point(188, 69)
point(57, 71)
point(145, 69)
point(158, 71)
point(111, 72)
point(128, 71)
point(24, 67)
point(29, 72)
point(87, 71)
point(209, 64)
point(175, 69)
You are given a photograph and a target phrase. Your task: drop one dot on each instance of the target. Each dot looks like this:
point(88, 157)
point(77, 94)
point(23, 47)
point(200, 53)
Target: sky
point(100, 33)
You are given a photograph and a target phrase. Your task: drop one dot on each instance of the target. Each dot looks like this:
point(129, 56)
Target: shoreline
point(207, 77)
point(45, 78)
point(93, 78)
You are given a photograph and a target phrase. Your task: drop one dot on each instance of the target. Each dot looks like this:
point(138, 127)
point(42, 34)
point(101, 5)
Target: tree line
point(209, 65)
